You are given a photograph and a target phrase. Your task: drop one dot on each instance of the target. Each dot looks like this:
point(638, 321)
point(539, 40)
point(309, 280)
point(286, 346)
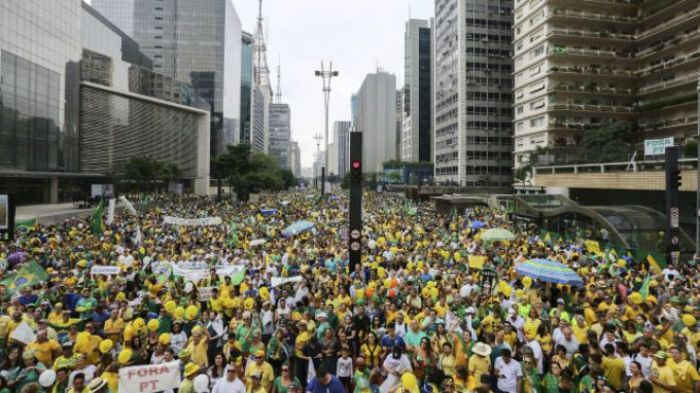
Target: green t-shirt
point(283, 389)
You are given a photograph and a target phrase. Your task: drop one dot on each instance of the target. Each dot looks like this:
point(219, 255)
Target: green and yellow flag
point(96, 224)
point(644, 290)
point(30, 274)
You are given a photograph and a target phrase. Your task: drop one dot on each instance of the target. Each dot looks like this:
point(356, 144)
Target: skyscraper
point(280, 133)
point(374, 106)
point(195, 41)
point(295, 159)
point(263, 96)
point(416, 136)
point(472, 103)
point(247, 87)
point(341, 139)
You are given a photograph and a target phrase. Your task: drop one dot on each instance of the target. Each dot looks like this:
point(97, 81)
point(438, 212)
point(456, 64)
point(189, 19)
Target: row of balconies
point(669, 64)
point(670, 43)
point(675, 20)
point(590, 34)
point(565, 51)
point(692, 78)
point(593, 15)
point(670, 123)
point(591, 89)
point(593, 70)
point(592, 108)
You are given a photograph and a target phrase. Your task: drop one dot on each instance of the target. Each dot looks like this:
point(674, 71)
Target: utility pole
point(697, 193)
point(326, 75)
point(673, 185)
point(318, 139)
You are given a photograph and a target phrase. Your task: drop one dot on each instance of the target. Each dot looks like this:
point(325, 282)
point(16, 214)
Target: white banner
point(196, 271)
point(204, 293)
point(192, 222)
point(23, 333)
point(105, 270)
point(657, 147)
point(149, 378)
point(277, 281)
point(128, 205)
point(110, 211)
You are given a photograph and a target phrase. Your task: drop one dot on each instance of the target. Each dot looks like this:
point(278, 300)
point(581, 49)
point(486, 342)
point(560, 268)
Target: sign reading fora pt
point(657, 147)
point(149, 378)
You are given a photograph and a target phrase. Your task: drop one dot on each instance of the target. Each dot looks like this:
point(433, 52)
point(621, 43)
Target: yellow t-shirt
point(112, 380)
point(113, 329)
point(44, 351)
point(665, 375)
point(199, 352)
point(686, 375)
point(264, 370)
point(614, 369)
point(478, 366)
point(299, 343)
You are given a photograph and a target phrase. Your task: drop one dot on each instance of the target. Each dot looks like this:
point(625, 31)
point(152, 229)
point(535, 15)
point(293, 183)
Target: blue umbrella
point(549, 271)
point(477, 224)
point(297, 227)
point(268, 212)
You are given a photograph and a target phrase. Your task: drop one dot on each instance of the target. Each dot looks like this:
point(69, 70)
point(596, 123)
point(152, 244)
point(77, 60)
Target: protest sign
point(196, 271)
point(104, 270)
point(277, 281)
point(204, 293)
point(149, 378)
point(192, 222)
point(23, 334)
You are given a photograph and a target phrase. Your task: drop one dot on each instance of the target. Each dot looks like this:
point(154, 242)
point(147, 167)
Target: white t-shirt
point(646, 364)
point(570, 345)
point(224, 386)
point(537, 350)
point(509, 373)
point(344, 367)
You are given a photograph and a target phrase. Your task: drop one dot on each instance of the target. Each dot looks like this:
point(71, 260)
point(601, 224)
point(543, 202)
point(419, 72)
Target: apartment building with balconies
point(579, 64)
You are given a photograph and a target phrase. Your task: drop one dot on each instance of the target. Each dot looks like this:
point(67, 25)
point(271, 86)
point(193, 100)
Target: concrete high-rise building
point(399, 122)
point(332, 159)
point(341, 139)
point(280, 133)
point(578, 67)
point(295, 159)
point(197, 42)
point(416, 117)
point(374, 110)
point(263, 95)
point(473, 99)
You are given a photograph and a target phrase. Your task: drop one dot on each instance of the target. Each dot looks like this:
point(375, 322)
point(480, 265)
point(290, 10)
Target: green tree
point(345, 183)
point(288, 179)
point(609, 142)
point(247, 172)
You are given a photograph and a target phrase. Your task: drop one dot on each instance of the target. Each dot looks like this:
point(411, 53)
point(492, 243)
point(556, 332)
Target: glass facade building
point(246, 86)
point(39, 55)
point(197, 42)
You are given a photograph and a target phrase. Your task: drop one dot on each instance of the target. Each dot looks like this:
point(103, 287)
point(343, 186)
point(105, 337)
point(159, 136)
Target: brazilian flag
point(96, 224)
point(30, 274)
point(24, 226)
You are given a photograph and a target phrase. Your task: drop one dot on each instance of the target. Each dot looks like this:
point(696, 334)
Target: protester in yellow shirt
point(613, 368)
point(685, 373)
point(45, 350)
point(662, 375)
point(261, 368)
point(114, 326)
point(479, 362)
point(198, 346)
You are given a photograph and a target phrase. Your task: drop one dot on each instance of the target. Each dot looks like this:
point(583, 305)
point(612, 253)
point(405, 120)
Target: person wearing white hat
point(479, 362)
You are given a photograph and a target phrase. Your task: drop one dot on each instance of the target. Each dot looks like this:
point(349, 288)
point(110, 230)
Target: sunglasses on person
point(284, 370)
point(230, 370)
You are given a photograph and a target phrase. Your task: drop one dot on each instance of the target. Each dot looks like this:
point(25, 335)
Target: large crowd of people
point(245, 306)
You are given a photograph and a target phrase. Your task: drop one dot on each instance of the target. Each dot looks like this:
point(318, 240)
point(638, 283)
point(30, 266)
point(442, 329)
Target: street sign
point(657, 147)
point(674, 217)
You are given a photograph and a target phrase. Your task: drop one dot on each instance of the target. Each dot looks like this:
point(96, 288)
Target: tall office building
point(280, 133)
point(416, 117)
point(247, 87)
point(39, 93)
point(473, 114)
point(263, 95)
point(332, 159)
point(578, 67)
point(399, 122)
point(194, 41)
point(295, 159)
point(341, 139)
point(374, 110)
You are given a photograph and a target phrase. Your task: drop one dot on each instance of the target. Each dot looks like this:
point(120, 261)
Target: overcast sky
point(357, 35)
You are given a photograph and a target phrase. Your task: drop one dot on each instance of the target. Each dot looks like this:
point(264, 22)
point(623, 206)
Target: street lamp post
point(697, 193)
point(326, 75)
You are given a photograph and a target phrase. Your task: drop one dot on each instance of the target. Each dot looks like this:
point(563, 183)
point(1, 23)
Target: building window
point(535, 70)
point(537, 87)
point(519, 110)
point(537, 122)
point(537, 104)
point(539, 51)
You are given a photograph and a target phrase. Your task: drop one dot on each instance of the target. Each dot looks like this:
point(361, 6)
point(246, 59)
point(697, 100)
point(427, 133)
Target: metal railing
point(660, 27)
point(620, 166)
point(593, 15)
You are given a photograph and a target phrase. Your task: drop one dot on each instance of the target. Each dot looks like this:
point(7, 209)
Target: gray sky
point(357, 35)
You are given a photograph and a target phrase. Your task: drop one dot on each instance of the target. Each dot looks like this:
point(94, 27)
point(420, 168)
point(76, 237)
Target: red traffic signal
point(356, 165)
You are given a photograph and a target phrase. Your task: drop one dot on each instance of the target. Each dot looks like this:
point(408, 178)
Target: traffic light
point(676, 178)
point(356, 171)
point(355, 216)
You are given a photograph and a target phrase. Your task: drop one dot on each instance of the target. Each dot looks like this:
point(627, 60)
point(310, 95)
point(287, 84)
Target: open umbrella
point(17, 257)
point(268, 212)
point(476, 224)
point(549, 271)
point(497, 235)
point(297, 227)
